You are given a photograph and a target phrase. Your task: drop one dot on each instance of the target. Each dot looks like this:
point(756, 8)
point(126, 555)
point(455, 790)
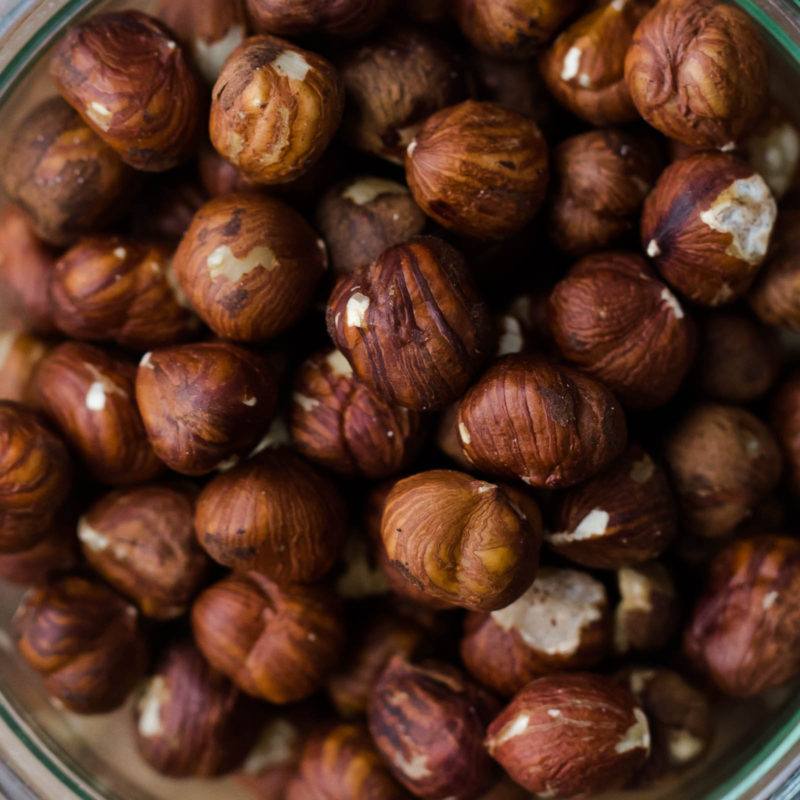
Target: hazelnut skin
point(107, 288)
point(744, 632)
point(141, 541)
point(89, 394)
point(623, 516)
point(541, 423)
point(20, 354)
point(276, 643)
point(66, 179)
point(561, 622)
point(428, 722)
point(202, 404)
point(343, 425)
point(460, 540)
point(571, 735)
point(707, 226)
point(335, 18)
point(249, 264)
point(614, 319)
point(133, 86)
point(274, 109)
point(785, 419)
point(84, 640)
point(412, 324)
point(478, 169)
point(724, 461)
point(697, 71)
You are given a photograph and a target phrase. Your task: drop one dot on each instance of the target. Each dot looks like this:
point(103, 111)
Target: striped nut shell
point(339, 18)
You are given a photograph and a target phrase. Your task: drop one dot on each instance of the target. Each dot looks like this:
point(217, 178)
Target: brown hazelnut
point(785, 419)
point(249, 264)
point(745, 632)
point(272, 762)
point(623, 516)
point(615, 320)
point(773, 148)
point(339, 18)
point(218, 175)
point(571, 736)
point(428, 722)
point(274, 109)
point(412, 324)
point(707, 226)
point(134, 87)
point(190, 720)
point(277, 643)
point(56, 552)
point(84, 640)
point(585, 67)
point(697, 71)
point(20, 353)
point(539, 422)
point(723, 461)
point(204, 403)
point(463, 541)
point(90, 396)
point(561, 622)
point(478, 169)
point(448, 439)
point(108, 288)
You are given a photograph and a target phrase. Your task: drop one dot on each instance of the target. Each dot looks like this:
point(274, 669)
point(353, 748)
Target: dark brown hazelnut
point(20, 354)
point(412, 324)
point(133, 86)
point(339, 18)
point(57, 552)
point(785, 419)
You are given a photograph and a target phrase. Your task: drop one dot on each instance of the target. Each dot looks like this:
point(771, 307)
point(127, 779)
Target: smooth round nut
point(785, 421)
point(336, 18)
point(274, 109)
point(478, 169)
point(412, 324)
point(56, 553)
point(133, 86)
point(20, 355)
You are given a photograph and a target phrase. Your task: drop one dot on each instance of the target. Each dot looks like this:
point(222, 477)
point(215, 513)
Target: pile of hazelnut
point(290, 409)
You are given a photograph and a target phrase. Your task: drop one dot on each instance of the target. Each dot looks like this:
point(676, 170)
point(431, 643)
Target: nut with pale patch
point(785, 420)
point(336, 18)
point(20, 354)
point(773, 148)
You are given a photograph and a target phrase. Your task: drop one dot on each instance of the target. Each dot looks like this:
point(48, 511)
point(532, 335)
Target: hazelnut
point(773, 148)
point(134, 87)
point(428, 722)
point(463, 541)
point(90, 396)
point(107, 288)
point(785, 419)
point(570, 736)
point(561, 622)
point(744, 633)
point(272, 762)
point(66, 179)
point(707, 226)
point(723, 461)
point(218, 175)
point(478, 169)
point(204, 403)
point(274, 109)
point(20, 354)
point(56, 552)
point(539, 422)
point(615, 320)
point(190, 720)
point(697, 71)
point(84, 640)
point(277, 643)
point(412, 324)
point(394, 83)
point(339, 18)
point(585, 67)
point(448, 439)
point(623, 516)
point(249, 264)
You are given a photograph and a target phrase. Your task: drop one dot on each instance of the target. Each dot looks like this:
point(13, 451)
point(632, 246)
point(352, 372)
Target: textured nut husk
point(744, 633)
point(249, 264)
point(625, 515)
point(274, 109)
point(277, 643)
point(539, 422)
point(785, 421)
point(570, 736)
point(428, 722)
point(20, 354)
point(412, 324)
point(110, 288)
point(697, 71)
point(723, 461)
point(190, 720)
point(202, 404)
point(614, 319)
point(57, 552)
point(707, 226)
point(336, 18)
point(478, 169)
point(84, 640)
point(460, 540)
point(89, 394)
point(67, 180)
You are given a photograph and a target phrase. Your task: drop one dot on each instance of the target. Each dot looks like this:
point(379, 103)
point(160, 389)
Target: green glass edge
point(789, 45)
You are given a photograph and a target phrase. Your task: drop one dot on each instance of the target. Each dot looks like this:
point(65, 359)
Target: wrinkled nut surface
point(785, 420)
point(339, 18)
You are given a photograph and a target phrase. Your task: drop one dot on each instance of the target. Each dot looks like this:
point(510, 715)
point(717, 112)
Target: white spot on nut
point(147, 361)
point(619, 5)
point(463, 433)
point(291, 64)
point(653, 250)
point(412, 146)
point(156, 694)
point(511, 339)
point(572, 64)
point(99, 114)
point(769, 600)
point(671, 302)
point(210, 56)
point(97, 542)
point(776, 156)
point(642, 470)
point(683, 746)
point(227, 464)
point(365, 190)
point(592, 526)
point(250, 401)
point(515, 728)
point(338, 364)
point(637, 737)
point(120, 253)
point(223, 263)
point(356, 311)
point(306, 403)
point(553, 713)
point(414, 768)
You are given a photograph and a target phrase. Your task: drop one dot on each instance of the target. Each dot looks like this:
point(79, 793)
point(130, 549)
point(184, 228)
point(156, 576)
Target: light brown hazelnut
point(55, 553)
point(20, 353)
point(785, 420)
point(773, 148)
point(336, 18)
